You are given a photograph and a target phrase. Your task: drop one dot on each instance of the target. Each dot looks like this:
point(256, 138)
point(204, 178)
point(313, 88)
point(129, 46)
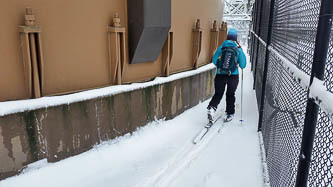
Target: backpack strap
point(235, 49)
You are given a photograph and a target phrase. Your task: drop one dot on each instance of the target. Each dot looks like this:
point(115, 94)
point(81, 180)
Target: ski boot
point(211, 114)
point(228, 117)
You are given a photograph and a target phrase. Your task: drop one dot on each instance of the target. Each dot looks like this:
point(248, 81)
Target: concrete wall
point(59, 132)
point(75, 43)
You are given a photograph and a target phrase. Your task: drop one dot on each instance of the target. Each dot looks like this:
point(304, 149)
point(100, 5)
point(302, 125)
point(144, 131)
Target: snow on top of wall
point(298, 75)
point(322, 97)
point(11, 107)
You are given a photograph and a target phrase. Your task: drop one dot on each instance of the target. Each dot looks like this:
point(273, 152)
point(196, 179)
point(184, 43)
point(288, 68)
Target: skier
point(227, 58)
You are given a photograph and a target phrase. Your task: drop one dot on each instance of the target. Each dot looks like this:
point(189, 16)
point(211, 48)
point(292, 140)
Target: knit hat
point(232, 34)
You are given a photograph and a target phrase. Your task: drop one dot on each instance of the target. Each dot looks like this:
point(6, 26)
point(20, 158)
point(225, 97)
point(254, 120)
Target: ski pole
point(242, 97)
point(239, 46)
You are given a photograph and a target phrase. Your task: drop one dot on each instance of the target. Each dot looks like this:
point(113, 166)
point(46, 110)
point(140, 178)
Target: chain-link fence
point(321, 171)
point(283, 44)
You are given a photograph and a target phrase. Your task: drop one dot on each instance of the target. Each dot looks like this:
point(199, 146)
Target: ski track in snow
point(183, 159)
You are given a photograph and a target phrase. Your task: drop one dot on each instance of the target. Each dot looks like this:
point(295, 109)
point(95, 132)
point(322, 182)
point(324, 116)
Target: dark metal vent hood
point(149, 22)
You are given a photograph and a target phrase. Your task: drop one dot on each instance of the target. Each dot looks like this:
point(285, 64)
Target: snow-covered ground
point(162, 154)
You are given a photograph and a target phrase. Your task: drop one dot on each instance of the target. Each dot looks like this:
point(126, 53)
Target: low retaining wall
point(58, 132)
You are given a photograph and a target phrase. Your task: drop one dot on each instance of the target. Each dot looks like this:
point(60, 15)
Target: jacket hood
point(229, 43)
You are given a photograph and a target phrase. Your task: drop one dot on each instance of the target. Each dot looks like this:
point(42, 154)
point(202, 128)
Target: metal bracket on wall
point(117, 50)
point(214, 39)
point(223, 32)
point(167, 53)
point(197, 43)
point(31, 45)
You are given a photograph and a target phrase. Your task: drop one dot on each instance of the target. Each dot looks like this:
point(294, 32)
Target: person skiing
point(227, 58)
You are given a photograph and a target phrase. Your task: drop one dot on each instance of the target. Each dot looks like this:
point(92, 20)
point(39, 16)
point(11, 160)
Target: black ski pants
point(221, 81)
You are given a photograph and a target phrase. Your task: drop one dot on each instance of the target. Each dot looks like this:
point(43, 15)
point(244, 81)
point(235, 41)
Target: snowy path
point(232, 158)
point(162, 154)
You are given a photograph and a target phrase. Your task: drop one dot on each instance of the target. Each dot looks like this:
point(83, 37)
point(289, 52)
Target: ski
point(205, 130)
point(221, 127)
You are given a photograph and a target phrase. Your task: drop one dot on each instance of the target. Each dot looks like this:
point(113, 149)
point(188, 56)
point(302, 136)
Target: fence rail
point(291, 48)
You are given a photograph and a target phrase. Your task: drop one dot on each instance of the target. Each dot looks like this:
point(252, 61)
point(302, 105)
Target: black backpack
point(227, 62)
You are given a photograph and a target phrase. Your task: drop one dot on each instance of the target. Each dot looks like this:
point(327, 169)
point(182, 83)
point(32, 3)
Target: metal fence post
point(254, 24)
point(318, 70)
point(269, 40)
point(258, 43)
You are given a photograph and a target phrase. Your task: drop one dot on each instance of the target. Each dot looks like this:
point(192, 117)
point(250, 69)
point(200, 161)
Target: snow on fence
point(322, 96)
point(317, 90)
point(302, 78)
point(297, 154)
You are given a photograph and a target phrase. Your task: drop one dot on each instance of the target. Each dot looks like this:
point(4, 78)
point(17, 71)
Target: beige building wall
point(75, 43)
point(184, 14)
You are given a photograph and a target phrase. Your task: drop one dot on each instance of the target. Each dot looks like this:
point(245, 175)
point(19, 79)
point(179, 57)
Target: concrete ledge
point(57, 131)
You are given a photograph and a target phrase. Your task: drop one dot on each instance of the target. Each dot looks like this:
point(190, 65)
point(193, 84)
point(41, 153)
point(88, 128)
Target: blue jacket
point(241, 59)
